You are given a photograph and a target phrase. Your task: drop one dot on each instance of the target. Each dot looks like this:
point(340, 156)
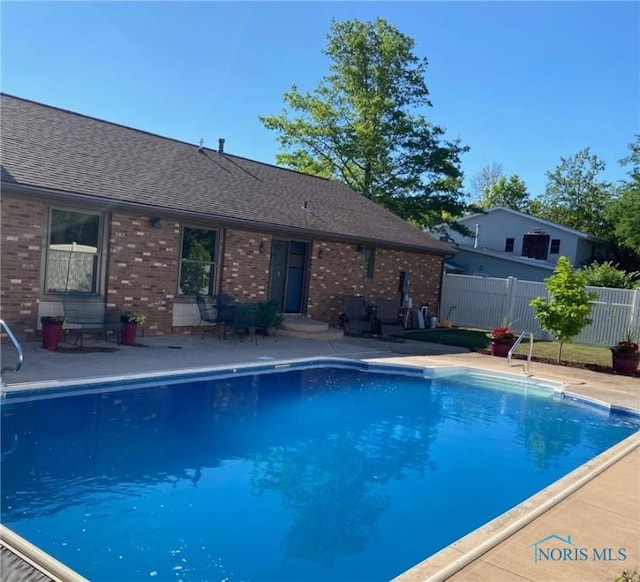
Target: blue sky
point(521, 83)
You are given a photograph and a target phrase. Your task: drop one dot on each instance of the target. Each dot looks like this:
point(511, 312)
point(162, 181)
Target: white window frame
point(213, 263)
point(76, 255)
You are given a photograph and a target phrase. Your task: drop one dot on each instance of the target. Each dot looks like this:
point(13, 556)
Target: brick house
point(148, 222)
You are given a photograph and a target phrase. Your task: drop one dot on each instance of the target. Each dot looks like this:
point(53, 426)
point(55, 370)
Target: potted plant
point(625, 355)
point(130, 321)
point(51, 331)
point(501, 340)
point(268, 317)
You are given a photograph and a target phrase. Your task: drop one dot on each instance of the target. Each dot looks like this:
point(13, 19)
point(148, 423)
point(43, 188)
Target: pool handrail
point(5, 326)
point(515, 346)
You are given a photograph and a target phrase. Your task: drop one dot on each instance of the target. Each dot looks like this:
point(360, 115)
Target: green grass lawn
point(475, 340)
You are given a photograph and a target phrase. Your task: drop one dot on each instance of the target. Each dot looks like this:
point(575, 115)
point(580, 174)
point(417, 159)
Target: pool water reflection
point(305, 474)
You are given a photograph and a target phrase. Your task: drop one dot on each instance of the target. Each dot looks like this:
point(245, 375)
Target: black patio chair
point(224, 306)
point(354, 317)
point(82, 315)
point(390, 318)
point(208, 316)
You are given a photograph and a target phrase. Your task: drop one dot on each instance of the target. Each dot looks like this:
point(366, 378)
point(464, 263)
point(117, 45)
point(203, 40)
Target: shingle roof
point(56, 150)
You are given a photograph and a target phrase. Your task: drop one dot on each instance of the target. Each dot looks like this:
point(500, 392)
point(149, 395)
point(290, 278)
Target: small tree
point(565, 313)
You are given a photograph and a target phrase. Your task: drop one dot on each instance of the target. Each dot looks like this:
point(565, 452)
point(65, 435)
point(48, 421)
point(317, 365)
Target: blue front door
point(287, 274)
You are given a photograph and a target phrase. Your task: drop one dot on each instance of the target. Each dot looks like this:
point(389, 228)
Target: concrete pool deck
point(602, 512)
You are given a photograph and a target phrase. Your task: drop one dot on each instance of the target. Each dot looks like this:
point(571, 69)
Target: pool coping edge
point(37, 558)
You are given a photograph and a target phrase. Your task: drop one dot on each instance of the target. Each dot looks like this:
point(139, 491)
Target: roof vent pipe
point(221, 146)
point(477, 238)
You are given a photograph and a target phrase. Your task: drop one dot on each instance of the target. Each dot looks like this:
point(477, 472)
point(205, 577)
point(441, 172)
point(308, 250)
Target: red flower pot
point(500, 347)
point(625, 362)
point(129, 330)
point(51, 334)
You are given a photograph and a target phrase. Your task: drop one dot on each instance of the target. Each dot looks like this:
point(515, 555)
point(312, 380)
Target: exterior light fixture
point(157, 222)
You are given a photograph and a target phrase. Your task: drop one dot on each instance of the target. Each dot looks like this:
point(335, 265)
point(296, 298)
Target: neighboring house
point(508, 243)
point(148, 222)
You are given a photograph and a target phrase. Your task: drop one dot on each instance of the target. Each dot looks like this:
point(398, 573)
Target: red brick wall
point(339, 272)
point(142, 272)
point(143, 264)
point(246, 269)
point(22, 230)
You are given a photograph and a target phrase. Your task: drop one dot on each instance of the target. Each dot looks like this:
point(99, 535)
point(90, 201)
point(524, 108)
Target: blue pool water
point(317, 473)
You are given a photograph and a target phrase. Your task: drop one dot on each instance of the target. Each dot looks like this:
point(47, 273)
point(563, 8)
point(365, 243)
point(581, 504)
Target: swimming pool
point(312, 470)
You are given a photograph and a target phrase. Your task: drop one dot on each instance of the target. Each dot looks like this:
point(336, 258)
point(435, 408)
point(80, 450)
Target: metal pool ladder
point(5, 327)
point(514, 347)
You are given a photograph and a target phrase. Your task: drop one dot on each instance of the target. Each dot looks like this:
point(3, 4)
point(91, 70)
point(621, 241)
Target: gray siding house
point(508, 243)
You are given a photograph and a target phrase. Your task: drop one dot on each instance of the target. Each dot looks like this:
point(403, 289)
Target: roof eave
point(108, 204)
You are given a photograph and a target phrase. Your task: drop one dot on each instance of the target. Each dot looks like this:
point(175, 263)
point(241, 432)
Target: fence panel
point(482, 302)
point(462, 305)
point(612, 316)
point(523, 316)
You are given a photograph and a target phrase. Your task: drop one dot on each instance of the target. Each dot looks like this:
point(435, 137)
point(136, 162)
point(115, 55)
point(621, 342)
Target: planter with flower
point(501, 340)
point(625, 355)
point(130, 321)
point(51, 331)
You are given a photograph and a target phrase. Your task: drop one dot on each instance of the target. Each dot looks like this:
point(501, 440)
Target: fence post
point(634, 312)
point(509, 298)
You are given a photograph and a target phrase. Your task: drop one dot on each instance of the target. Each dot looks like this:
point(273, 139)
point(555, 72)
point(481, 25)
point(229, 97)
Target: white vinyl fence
point(484, 302)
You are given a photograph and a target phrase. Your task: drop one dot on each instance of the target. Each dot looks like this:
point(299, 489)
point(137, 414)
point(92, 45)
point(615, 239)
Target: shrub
point(609, 275)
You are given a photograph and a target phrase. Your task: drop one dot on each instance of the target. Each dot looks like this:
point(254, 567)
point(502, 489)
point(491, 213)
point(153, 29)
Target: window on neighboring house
point(508, 245)
point(555, 246)
point(197, 261)
point(368, 256)
point(73, 252)
point(535, 245)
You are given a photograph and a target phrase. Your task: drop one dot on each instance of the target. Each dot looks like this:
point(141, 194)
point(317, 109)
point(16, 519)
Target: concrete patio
point(598, 505)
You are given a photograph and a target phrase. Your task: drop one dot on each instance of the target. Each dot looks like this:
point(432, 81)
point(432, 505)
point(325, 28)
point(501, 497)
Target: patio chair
point(390, 317)
point(82, 314)
point(354, 317)
point(208, 316)
point(224, 312)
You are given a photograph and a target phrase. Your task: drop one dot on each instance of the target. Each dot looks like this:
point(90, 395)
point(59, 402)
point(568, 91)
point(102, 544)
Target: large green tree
point(511, 192)
point(624, 212)
point(364, 125)
point(575, 196)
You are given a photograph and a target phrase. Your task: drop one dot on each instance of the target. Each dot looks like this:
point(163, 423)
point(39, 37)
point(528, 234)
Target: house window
point(555, 246)
point(508, 245)
point(368, 256)
point(535, 245)
point(73, 252)
point(197, 261)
